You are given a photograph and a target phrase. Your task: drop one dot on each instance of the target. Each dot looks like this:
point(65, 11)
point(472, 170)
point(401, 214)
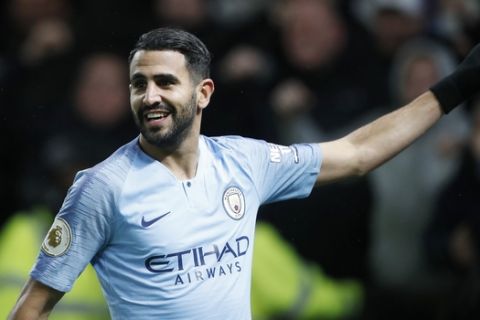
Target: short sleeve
point(78, 233)
point(283, 172)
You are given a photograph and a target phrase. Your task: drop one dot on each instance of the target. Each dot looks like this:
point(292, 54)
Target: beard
point(182, 121)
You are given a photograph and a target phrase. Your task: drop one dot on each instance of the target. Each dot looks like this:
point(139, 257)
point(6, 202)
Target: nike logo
point(148, 223)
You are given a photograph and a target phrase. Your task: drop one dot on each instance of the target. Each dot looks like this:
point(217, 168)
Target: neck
point(181, 160)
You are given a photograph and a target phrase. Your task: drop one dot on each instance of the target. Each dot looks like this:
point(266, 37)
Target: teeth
point(156, 115)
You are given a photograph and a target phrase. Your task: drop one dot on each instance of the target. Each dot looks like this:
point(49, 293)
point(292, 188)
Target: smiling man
point(168, 220)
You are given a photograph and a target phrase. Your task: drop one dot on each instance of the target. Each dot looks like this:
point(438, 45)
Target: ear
point(204, 91)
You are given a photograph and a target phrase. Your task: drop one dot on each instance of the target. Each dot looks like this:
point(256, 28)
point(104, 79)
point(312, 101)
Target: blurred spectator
point(95, 125)
point(247, 114)
point(101, 91)
point(312, 33)
point(392, 22)
point(40, 46)
point(457, 21)
point(234, 13)
point(317, 50)
point(40, 28)
point(39, 52)
point(406, 186)
point(194, 16)
point(453, 237)
point(241, 68)
point(182, 13)
point(323, 92)
point(36, 46)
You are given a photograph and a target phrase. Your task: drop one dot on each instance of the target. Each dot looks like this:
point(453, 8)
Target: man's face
point(162, 97)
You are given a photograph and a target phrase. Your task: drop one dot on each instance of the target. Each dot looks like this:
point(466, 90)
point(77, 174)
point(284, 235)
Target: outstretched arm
point(35, 302)
point(373, 144)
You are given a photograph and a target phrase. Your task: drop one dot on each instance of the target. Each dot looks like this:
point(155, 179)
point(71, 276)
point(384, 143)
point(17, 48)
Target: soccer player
point(168, 220)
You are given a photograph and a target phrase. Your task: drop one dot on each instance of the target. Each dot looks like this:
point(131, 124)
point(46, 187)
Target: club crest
point(234, 203)
point(58, 239)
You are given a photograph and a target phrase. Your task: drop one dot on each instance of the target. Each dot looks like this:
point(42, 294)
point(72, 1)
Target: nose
point(152, 95)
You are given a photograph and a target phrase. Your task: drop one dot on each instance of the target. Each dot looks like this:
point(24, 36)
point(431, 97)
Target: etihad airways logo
point(192, 260)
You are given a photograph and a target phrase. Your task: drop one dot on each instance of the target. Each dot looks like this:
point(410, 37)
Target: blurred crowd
point(286, 71)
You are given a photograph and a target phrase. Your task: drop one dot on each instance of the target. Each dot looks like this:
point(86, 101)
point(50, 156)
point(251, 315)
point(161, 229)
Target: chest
point(167, 215)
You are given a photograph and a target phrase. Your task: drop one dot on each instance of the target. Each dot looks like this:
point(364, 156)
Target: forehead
point(154, 62)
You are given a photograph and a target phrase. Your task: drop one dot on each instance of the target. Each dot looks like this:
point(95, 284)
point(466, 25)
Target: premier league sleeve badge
point(58, 239)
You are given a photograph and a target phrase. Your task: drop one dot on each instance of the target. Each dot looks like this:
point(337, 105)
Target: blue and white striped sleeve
point(282, 172)
point(79, 231)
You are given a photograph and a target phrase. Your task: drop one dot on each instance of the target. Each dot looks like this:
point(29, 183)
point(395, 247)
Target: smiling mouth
point(156, 115)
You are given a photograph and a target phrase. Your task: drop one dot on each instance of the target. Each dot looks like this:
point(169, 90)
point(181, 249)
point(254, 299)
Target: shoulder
point(237, 153)
point(234, 144)
point(110, 174)
point(238, 150)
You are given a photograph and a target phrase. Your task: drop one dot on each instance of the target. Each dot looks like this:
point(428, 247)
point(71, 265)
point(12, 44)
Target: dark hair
point(196, 53)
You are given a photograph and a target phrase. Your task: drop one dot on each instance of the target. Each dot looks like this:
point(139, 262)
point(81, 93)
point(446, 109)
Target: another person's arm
point(35, 302)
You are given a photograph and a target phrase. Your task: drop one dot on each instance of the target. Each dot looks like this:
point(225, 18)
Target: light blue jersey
point(170, 249)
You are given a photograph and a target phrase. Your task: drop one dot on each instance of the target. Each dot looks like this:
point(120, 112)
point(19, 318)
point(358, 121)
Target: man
point(168, 220)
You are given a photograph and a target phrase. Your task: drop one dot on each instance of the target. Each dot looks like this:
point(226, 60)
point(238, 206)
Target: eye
point(164, 82)
point(139, 84)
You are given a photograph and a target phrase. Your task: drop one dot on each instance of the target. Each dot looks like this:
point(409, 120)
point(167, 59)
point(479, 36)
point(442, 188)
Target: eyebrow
point(164, 77)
